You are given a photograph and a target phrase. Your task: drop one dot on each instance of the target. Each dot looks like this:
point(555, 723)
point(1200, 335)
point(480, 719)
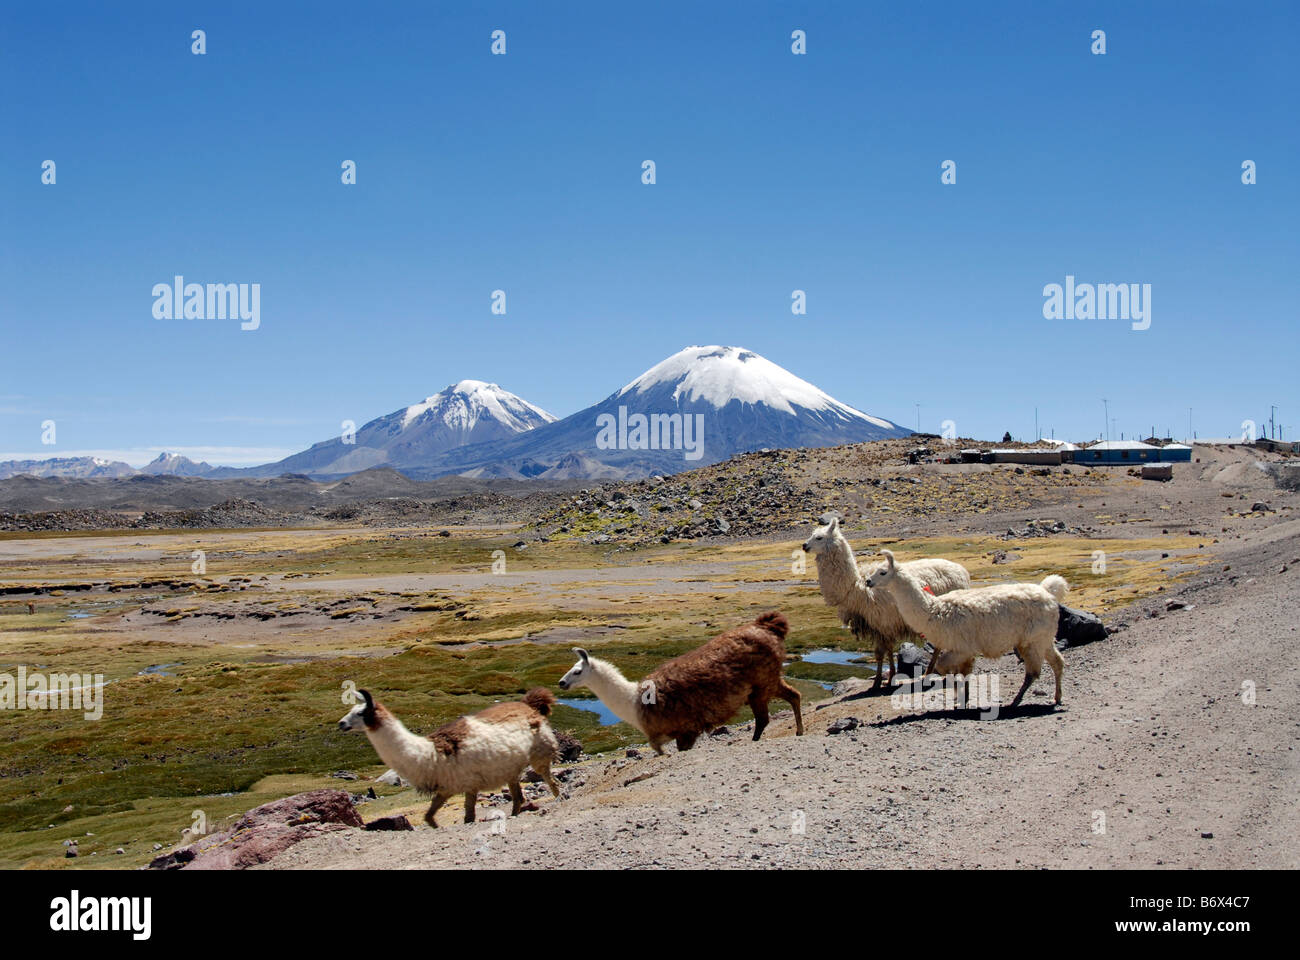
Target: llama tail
point(541, 700)
point(1056, 586)
point(775, 621)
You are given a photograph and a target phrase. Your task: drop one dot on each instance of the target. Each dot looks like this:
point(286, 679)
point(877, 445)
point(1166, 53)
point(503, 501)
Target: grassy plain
point(223, 689)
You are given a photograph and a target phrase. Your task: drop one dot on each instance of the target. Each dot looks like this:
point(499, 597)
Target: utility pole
point(1106, 407)
point(1271, 411)
point(918, 418)
point(1037, 435)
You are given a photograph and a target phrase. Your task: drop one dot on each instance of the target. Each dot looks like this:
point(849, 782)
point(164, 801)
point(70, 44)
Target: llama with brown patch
point(700, 690)
point(477, 752)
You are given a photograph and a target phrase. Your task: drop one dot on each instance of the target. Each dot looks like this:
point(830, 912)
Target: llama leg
point(516, 798)
point(758, 704)
point(657, 743)
point(880, 666)
point(543, 768)
point(438, 801)
point(551, 782)
point(1030, 677)
point(1058, 667)
point(1033, 661)
point(791, 696)
point(686, 741)
point(471, 798)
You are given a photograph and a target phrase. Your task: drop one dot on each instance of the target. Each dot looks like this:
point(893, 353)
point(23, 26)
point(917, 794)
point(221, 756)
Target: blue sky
point(522, 172)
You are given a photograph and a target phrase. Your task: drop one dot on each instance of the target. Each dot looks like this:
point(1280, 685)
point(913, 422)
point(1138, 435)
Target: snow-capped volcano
point(464, 404)
point(699, 406)
point(720, 375)
point(468, 412)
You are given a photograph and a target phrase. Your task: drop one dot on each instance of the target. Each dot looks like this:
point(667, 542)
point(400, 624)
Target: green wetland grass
point(229, 725)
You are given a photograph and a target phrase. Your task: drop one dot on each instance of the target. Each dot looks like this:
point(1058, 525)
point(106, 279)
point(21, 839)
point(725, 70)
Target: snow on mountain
point(464, 404)
point(166, 464)
point(176, 465)
point(699, 406)
point(468, 412)
point(78, 467)
point(720, 375)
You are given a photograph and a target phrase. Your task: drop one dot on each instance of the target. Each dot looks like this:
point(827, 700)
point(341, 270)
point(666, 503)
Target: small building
point(1034, 457)
point(1119, 452)
point(1278, 446)
point(1067, 449)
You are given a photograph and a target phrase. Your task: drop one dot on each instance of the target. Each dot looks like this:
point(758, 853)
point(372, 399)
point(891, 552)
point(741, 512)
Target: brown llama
point(700, 690)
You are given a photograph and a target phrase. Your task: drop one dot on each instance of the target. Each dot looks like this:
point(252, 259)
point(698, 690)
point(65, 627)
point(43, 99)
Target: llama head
point(822, 538)
point(579, 672)
point(884, 573)
point(362, 716)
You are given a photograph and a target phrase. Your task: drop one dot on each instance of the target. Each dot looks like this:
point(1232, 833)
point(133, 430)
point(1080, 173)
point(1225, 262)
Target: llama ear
point(582, 654)
point(834, 524)
point(368, 715)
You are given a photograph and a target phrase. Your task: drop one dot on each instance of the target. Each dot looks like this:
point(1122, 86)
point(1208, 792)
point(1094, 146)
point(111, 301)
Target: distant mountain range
point(77, 467)
point(84, 468)
point(700, 406)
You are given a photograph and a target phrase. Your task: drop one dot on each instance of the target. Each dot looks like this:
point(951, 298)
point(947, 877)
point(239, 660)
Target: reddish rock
point(266, 831)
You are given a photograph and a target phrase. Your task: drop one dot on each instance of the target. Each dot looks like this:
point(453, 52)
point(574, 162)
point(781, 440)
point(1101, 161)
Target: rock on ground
point(266, 831)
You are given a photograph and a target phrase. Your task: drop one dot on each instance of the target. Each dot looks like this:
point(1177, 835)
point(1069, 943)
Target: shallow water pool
point(607, 717)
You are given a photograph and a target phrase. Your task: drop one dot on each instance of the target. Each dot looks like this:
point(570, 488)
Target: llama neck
point(912, 601)
point(616, 692)
point(410, 755)
point(837, 571)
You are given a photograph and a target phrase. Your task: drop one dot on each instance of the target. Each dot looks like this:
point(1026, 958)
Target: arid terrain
point(226, 650)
